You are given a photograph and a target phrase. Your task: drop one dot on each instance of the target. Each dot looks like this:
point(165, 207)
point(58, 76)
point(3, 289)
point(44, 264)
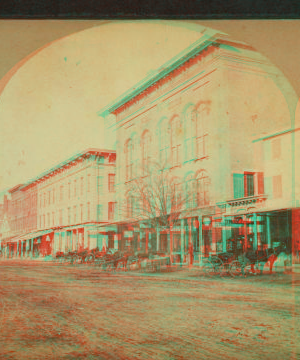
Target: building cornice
point(170, 69)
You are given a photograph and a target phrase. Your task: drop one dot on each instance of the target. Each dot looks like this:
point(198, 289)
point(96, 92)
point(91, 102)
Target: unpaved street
point(63, 312)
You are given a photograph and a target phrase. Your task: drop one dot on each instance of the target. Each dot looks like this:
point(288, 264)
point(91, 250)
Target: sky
point(49, 100)
point(48, 108)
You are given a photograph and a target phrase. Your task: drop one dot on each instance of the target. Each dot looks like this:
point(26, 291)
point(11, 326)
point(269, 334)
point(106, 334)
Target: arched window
point(129, 159)
point(203, 184)
point(145, 142)
point(175, 140)
point(199, 125)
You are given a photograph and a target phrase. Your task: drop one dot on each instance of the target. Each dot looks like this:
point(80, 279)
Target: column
point(147, 239)
point(245, 234)
point(22, 249)
point(213, 236)
point(268, 232)
point(255, 232)
point(224, 233)
point(182, 240)
point(157, 238)
point(31, 248)
point(27, 247)
point(18, 249)
point(201, 244)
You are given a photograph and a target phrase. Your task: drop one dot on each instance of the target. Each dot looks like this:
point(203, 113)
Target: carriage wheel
point(224, 270)
point(208, 269)
point(236, 269)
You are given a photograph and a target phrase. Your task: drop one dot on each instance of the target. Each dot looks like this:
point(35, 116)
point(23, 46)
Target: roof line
point(164, 70)
point(65, 162)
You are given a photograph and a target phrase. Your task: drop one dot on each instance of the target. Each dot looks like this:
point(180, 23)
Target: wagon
point(222, 264)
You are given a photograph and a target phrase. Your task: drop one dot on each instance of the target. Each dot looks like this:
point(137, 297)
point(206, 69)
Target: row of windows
point(193, 193)
point(171, 141)
point(24, 223)
point(75, 188)
point(75, 215)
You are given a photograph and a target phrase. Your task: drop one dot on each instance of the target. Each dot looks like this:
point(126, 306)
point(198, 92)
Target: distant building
point(61, 209)
point(202, 114)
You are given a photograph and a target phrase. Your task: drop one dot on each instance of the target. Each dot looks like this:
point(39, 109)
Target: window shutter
point(260, 183)
point(238, 186)
point(277, 186)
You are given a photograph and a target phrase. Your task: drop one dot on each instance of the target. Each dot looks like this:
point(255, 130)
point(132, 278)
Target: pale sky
point(48, 109)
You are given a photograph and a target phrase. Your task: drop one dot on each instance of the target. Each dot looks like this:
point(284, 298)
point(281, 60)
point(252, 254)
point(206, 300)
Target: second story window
point(69, 216)
point(69, 190)
point(75, 188)
point(111, 211)
point(248, 184)
point(111, 182)
point(75, 214)
point(200, 123)
point(81, 186)
point(81, 213)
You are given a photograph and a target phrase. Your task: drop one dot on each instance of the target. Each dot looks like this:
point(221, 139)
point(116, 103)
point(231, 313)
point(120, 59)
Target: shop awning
point(32, 235)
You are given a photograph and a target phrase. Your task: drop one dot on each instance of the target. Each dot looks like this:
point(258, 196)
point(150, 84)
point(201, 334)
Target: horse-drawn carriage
point(235, 264)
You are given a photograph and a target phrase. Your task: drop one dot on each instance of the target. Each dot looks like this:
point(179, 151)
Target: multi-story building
point(61, 209)
point(202, 114)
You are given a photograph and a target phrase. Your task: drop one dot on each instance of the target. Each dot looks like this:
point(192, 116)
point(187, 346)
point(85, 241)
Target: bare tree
point(157, 197)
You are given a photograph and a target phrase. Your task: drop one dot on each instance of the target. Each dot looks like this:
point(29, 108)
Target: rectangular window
point(48, 219)
point(276, 149)
point(111, 182)
point(238, 186)
point(111, 210)
point(249, 184)
point(69, 190)
point(81, 186)
point(75, 188)
point(44, 224)
point(53, 196)
point(88, 211)
point(69, 216)
point(44, 199)
point(49, 197)
point(75, 211)
point(81, 213)
point(53, 221)
point(277, 187)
